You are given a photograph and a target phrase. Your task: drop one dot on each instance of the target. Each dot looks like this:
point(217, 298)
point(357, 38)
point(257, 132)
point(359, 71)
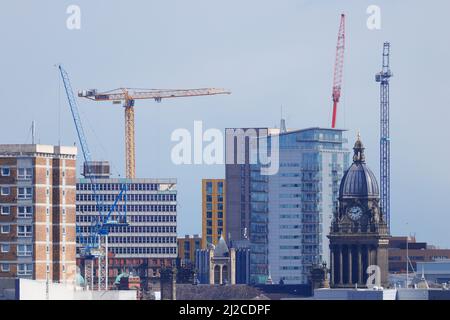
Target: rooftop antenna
point(282, 122)
point(33, 132)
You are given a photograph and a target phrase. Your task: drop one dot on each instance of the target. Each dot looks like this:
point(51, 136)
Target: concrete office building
point(284, 218)
point(37, 212)
point(149, 242)
point(213, 211)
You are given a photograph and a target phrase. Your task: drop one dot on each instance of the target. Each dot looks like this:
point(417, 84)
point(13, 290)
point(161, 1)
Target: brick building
point(37, 212)
point(186, 249)
point(213, 211)
point(417, 252)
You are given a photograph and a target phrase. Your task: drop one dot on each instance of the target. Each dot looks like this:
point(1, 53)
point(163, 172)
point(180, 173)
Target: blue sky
point(268, 53)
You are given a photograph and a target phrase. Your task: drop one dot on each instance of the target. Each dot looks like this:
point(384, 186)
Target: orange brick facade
point(40, 242)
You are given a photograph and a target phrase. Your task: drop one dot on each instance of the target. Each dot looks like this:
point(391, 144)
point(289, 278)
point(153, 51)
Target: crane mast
point(127, 97)
point(385, 178)
point(338, 69)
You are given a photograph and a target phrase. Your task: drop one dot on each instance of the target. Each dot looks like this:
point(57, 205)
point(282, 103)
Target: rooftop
point(34, 149)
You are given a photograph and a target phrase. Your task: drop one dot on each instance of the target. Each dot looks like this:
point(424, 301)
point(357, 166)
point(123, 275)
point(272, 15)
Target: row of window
point(133, 229)
point(23, 269)
point(23, 193)
point(209, 214)
point(219, 206)
point(22, 173)
point(130, 208)
point(23, 231)
point(209, 187)
point(129, 197)
point(84, 240)
point(209, 198)
point(118, 186)
point(150, 218)
point(209, 223)
point(144, 250)
point(219, 231)
point(22, 211)
point(23, 250)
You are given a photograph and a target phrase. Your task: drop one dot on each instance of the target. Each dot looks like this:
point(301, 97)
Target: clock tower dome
point(359, 236)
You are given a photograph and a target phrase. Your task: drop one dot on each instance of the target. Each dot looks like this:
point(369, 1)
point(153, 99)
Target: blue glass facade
point(302, 197)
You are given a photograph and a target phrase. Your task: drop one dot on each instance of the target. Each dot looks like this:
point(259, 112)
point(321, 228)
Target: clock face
point(355, 213)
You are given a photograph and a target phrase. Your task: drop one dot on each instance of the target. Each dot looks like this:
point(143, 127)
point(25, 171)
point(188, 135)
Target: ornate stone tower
point(359, 235)
point(222, 264)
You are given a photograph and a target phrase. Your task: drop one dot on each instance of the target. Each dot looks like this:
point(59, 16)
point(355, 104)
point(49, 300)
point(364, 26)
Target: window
point(5, 248)
point(5, 210)
point(5, 267)
point(6, 229)
point(5, 171)
point(25, 193)
point(24, 231)
point(25, 211)
point(209, 187)
point(24, 173)
point(24, 269)
point(24, 250)
point(5, 191)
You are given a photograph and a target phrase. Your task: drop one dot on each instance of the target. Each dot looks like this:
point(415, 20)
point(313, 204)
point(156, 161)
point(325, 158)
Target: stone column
point(341, 266)
point(332, 265)
point(350, 274)
point(369, 256)
point(360, 266)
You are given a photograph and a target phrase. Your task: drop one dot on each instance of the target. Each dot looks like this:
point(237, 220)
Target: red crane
point(338, 69)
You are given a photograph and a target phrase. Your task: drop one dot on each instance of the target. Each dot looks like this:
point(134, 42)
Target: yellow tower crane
point(127, 97)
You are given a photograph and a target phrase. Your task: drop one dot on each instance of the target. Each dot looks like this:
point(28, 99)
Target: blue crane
point(385, 148)
point(97, 241)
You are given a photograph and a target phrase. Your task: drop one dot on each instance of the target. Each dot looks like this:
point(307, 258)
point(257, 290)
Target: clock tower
point(359, 236)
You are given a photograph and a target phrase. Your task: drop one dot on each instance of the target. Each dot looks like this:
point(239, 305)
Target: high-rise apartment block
point(150, 240)
point(213, 211)
point(302, 198)
point(37, 212)
point(247, 198)
point(283, 217)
